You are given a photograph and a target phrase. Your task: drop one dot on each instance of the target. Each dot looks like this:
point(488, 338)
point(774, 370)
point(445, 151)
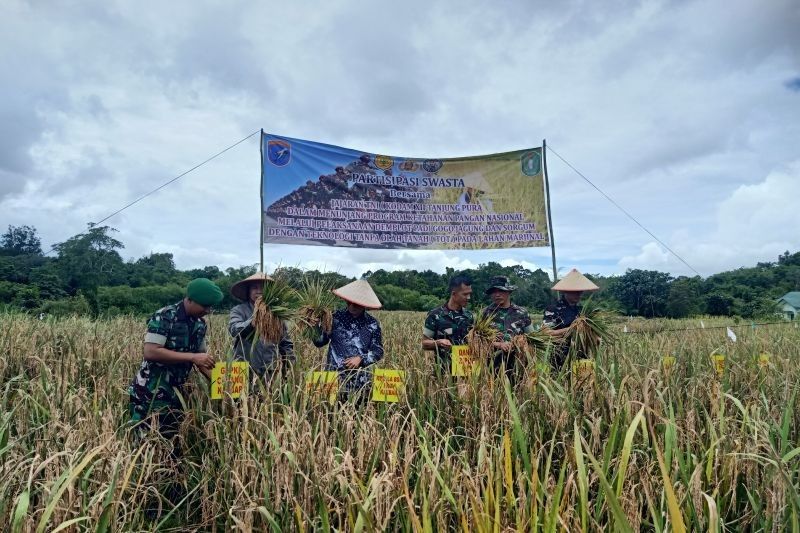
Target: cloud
point(674, 117)
point(755, 223)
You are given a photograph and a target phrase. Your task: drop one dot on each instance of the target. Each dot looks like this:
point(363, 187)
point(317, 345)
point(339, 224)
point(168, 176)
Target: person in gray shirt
point(265, 358)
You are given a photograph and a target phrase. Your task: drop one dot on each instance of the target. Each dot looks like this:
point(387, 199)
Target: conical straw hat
point(360, 293)
point(241, 289)
point(575, 281)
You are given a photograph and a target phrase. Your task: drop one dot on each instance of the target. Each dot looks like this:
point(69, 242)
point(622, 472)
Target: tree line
point(87, 275)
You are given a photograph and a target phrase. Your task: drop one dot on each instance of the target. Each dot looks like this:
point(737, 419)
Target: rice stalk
point(481, 336)
point(588, 331)
point(276, 305)
point(316, 308)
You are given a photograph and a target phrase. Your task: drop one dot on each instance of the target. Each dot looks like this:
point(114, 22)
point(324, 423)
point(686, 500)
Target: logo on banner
point(432, 165)
point(279, 152)
point(383, 161)
point(531, 163)
point(409, 166)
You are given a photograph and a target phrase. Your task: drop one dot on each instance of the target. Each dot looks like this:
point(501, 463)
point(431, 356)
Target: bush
point(75, 305)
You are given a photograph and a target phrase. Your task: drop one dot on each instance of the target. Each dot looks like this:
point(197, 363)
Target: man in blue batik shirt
point(355, 340)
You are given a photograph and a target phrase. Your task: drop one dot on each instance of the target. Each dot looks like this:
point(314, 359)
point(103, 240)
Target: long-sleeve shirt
point(352, 336)
point(262, 356)
point(561, 315)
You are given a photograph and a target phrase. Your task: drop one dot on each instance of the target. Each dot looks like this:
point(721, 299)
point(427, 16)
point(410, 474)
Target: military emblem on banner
point(531, 163)
point(432, 165)
point(409, 166)
point(383, 161)
point(279, 152)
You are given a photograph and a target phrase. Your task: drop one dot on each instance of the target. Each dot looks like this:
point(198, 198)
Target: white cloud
point(677, 118)
point(754, 223)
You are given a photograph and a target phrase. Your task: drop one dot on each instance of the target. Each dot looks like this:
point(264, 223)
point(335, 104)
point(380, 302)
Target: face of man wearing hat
point(500, 298)
point(572, 297)
point(355, 309)
point(254, 291)
point(201, 295)
point(195, 309)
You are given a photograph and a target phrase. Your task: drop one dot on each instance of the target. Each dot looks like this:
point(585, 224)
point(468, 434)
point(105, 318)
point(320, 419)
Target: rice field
point(640, 444)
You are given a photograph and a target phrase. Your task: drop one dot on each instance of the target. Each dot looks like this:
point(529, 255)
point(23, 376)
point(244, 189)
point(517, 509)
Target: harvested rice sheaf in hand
point(276, 305)
point(587, 332)
point(539, 341)
point(520, 345)
point(316, 308)
point(481, 336)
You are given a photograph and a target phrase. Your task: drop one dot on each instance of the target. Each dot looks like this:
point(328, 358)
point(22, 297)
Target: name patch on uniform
point(229, 379)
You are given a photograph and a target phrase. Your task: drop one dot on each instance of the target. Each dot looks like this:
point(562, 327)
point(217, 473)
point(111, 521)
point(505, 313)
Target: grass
point(635, 448)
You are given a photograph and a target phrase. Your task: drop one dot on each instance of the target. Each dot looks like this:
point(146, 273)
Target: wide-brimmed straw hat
point(360, 293)
point(575, 282)
point(241, 289)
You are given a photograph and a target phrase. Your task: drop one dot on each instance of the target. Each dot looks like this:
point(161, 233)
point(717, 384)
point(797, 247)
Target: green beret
point(204, 291)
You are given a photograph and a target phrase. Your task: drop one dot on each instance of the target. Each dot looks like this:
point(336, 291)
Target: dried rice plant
point(588, 331)
point(541, 342)
point(316, 308)
point(276, 305)
point(524, 350)
point(481, 336)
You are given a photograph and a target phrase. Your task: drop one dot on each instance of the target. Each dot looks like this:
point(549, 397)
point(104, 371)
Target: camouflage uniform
point(445, 323)
point(156, 385)
point(558, 316)
point(510, 322)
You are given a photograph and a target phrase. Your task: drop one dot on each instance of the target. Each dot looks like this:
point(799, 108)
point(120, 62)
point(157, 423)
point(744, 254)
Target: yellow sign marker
point(667, 362)
point(388, 385)
point(323, 385)
point(583, 368)
point(229, 378)
point(462, 362)
point(763, 360)
point(719, 363)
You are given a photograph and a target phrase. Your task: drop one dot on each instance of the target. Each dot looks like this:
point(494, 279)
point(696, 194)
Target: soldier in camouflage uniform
point(448, 325)
point(174, 342)
point(559, 315)
point(510, 320)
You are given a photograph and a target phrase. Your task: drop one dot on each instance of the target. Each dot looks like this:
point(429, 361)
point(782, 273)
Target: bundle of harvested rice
point(587, 332)
point(539, 341)
point(316, 308)
point(276, 305)
point(481, 336)
point(524, 350)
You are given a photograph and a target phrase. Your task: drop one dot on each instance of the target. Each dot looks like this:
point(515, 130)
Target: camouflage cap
point(204, 291)
point(501, 283)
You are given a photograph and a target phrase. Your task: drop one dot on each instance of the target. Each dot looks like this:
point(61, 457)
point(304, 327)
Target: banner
point(321, 194)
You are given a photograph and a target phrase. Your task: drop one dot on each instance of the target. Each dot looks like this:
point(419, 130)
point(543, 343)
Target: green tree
point(642, 292)
point(20, 240)
point(88, 260)
point(684, 297)
point(718, 303)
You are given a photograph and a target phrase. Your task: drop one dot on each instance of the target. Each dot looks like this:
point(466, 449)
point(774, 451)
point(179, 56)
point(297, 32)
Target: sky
point(685, 113)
